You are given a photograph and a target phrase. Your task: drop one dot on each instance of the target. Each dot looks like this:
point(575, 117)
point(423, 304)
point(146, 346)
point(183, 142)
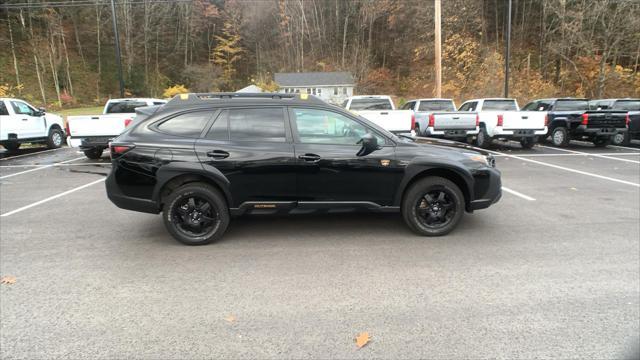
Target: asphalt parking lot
point(552, 270)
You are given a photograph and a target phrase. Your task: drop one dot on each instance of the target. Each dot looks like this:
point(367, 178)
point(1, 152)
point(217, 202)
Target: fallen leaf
point(574, 189)
point(230, 319)
point(8, 280)
point(362, 339)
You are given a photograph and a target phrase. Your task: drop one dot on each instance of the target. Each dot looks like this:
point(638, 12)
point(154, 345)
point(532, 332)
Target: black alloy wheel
point(195, 216)
point(433, 206)
point(436, 208)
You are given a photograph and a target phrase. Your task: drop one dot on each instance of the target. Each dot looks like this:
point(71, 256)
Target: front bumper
point(487, 189)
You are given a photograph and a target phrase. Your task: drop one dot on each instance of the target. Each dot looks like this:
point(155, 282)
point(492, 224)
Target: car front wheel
point(55, 139)
point(433, 206)
point(196, 214)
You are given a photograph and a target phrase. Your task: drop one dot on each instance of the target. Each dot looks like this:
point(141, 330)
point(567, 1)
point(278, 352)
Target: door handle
point(218, 154)
point(384, 113)
point(309, 157)
point(25, 119)
point(456, 118)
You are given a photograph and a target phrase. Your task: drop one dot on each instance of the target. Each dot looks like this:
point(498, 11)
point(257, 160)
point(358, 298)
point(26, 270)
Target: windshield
point(371, 104)
point(629, 105)
point(569, 105)
point(436, 105)
point(120, 107)
point(502, 105)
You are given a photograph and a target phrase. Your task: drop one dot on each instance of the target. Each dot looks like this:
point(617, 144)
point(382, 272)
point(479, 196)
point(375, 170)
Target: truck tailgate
point(454, 121)
point(606, 119)
point(97, 125)
point(392, 120)
point(524, 120)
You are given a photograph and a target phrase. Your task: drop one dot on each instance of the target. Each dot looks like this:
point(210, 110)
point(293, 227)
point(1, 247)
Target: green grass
point(95, 110)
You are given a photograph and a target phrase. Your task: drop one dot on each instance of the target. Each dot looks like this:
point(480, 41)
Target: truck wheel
point(560, 136)
point(417, 130)
point(433, 206)
point(196, 214)
point(601, 141)
point(94, 153)
point(621, 139)
point(12, 146)
point(527, 143)
point(55, 139)
point(483, 139)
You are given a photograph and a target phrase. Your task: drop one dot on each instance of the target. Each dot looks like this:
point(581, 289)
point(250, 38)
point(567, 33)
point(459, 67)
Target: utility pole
point(438, 42)
point(117, 40)
point(507, 52)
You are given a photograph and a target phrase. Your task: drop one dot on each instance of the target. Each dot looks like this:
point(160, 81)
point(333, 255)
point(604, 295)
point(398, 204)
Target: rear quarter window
point(187, 125)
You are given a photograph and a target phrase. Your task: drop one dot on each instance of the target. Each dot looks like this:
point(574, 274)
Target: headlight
point(487, 160)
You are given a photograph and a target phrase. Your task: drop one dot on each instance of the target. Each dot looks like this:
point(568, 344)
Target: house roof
point(250, 89)
point(314, 78)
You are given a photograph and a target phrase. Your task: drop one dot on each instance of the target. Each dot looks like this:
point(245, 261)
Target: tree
point(228, 52)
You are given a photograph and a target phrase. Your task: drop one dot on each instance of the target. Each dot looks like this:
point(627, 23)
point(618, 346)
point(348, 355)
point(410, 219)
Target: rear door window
point(257, 124)
point(500, 105)
point(187, 125)
point(470, 106)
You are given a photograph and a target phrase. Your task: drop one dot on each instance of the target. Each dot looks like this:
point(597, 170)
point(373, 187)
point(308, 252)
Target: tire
point(483, 139)
point(184, 214)
point(560, 137)
point(12, 146)
point(621, 139)
point(417, 208)
point(602, 141)
point(55, 139)
point(94, 153)
point(542, 139)
point(527, 143)
point(417, 130)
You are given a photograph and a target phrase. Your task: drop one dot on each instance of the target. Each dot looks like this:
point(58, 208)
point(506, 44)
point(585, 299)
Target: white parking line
point(52, 198)
point(33, 153)
point(590, 154)
point(39, 168)
point(518, 194)
point(560, 155)
point(568, 169)
point(56, 164)
point(625, 147)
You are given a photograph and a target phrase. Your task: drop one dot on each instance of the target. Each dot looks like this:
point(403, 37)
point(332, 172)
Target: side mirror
point(369, 144)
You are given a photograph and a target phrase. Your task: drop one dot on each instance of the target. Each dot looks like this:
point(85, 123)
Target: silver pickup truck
point(439, 118)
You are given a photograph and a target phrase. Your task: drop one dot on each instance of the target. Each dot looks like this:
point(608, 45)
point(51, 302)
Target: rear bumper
point(127, 202)
point(583, 130)
point(500, 132)
point(91, 142)
point(451, 133)
point(492, 194)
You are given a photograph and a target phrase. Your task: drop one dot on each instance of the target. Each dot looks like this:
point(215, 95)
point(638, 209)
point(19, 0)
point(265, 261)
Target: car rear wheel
point(433, 206)
point(527, 143)
point(601, 141)
point(94, 153)
point(196, 214)
point(560, 137)
point(55, 139)
point(621, 139)
point(483, 139)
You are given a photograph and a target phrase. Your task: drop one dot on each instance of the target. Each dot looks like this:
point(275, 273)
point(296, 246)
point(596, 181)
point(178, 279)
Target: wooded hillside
point(65, 53)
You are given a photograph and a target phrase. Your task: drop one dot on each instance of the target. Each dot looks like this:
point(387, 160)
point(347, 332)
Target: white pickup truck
point(381, 110)
point(439, 118)
point(22, 123)
point(92, 133)
point(501, 119)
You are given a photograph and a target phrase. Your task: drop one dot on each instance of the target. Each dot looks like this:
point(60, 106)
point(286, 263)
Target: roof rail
point(202, 98)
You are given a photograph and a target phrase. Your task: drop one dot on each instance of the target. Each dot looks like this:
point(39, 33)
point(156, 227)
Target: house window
point(314, 91)
point(308, 91)
point(297, 91)
point(335, 91)
point(319, 91)
point(344, 91)
point(286, 90)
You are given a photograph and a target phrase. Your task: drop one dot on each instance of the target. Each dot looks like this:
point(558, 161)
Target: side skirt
point(309, 207)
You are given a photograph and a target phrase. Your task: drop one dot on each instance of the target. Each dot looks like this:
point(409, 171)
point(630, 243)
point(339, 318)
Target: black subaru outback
point(202, 158)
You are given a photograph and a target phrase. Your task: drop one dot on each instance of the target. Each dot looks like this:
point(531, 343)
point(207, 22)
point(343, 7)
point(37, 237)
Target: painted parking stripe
point(564, 154)
point(33, 153)
point(568, 169)
point(591, 154)
point(624, 147)
point(518, 194)
point(52, 198)
point(39, 168)
point(56, 164)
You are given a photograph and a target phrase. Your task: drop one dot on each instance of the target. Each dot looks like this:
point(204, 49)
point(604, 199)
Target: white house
point(333, 87)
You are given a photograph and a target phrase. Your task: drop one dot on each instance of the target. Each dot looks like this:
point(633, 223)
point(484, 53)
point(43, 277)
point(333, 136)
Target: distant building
point(333, 87)
point(250, 89)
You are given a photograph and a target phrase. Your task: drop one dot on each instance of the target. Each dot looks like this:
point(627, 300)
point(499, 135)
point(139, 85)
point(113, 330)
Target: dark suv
point(202, 158)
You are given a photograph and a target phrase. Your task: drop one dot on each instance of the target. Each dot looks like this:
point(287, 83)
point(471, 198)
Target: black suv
point(202, 158)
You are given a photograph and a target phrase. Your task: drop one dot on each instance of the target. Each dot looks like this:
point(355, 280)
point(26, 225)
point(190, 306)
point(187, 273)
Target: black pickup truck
point(633, 117)
point(571, 119)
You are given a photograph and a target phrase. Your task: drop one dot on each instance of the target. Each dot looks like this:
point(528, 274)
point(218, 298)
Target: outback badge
point(385, 162)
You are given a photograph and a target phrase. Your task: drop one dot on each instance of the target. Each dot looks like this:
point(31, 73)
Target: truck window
point(629, 105)
point(532, 106)
point(470, 106)
point(120, 107)
point(21, 108)
point(371, 104)
point(189, 124)
point(266, 124)
point(500, 105)
point(570, 105)
point(436, 105)
point(409, 105)
point(3, 109)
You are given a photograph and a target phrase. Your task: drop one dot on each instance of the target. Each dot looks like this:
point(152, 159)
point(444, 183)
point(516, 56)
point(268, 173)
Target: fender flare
point(420, 166)
point(564, 122)
point(171, 171)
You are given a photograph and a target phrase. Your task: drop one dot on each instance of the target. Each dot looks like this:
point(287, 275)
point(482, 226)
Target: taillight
point(477, 120)
point(117, 150)
point(585, 119)
point(432, 120)
point(500, 119)
point(546, 119)
point(627, 119)
point(127, 122)
point(413, 121)
point(67, 128)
